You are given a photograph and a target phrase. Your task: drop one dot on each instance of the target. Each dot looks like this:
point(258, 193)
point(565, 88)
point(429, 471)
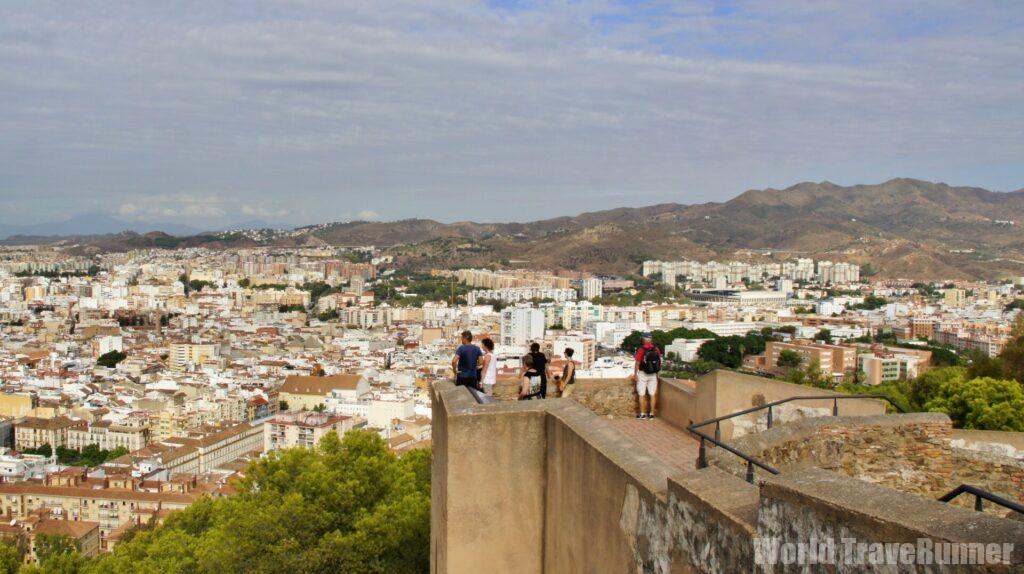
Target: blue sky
point(208, 113)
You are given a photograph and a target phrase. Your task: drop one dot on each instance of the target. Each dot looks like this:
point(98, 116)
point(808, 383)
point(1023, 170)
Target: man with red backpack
point(645, 375)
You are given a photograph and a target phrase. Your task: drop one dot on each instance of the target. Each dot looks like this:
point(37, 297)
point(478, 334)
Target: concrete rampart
point(549, 486)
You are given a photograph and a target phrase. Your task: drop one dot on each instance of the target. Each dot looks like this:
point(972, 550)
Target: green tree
point(348, 505)
point(10, 558)
point(925, 386)
point(661, 339)
point(983, 403)
point(50, 546)
point(944, 356)
point(810, 376)
point(824, 335)
point(871, 302)
point(329, 315)
point(44, 449)
point(789, 358)
point(198, 285)
point(110, 359)
point(1011, 358)
point(981, 365)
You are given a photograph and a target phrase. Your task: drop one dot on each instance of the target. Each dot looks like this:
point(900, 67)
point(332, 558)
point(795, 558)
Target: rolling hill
point(904, 228)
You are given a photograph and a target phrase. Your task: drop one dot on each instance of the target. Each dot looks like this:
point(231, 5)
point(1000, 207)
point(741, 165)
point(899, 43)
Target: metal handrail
point(980, 496)
point(702, 460)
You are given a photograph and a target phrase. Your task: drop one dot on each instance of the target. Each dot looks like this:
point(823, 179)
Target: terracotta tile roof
point(50, 424)
point(72, 528)
point(307, 385)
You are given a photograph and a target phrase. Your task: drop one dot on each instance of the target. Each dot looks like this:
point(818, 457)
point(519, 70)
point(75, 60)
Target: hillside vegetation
point(904, 227)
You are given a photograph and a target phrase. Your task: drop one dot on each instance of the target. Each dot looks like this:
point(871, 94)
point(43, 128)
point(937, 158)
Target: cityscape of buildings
point(178, 367)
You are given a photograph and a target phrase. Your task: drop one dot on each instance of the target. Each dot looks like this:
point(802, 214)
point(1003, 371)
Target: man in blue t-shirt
point(467, 361)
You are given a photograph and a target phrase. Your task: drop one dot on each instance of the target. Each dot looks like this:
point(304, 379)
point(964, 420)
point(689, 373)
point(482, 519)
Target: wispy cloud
point(493, 110)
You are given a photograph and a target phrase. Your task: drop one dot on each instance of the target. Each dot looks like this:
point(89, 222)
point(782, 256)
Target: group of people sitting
point(477, 367)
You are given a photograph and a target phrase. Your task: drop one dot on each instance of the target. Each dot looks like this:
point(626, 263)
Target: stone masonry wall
point(615, 397)
point(909, 453)
point(997, 474)
point(813, 505)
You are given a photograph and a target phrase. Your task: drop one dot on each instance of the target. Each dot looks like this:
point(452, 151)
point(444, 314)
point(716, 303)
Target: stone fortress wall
point(910, 453)
point(551, 486)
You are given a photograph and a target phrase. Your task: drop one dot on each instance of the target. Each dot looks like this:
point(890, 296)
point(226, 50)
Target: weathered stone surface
point(911, 453)
point(616, 397)
point(811, 504)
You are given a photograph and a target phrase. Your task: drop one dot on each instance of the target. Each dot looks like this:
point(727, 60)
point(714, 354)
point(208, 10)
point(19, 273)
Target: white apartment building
point(108, 436)
point(724, 328)
point(521, 325)
point(592, 288)
point(736, 271)
point(197, 455)
point(103, 345)
point(685, 349)
point(20, 467)
point(183, 356)
point(584, 348)
point(741, 298)
point(573, 315)
point(302, 429)
point(520, 294)
point(389, 407)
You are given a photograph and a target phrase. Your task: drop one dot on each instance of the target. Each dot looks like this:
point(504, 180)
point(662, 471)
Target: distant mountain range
point(903, 228)
point(96, 224)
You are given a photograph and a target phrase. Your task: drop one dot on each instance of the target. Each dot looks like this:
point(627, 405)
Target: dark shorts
point(466, 380)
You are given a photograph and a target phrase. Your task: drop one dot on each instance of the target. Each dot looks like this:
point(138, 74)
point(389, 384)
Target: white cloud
point(367, 215)
point(262, 211)
point(456, 110)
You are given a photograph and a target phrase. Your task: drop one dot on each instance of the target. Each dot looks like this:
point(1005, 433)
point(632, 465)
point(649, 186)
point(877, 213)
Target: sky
point(209, 112)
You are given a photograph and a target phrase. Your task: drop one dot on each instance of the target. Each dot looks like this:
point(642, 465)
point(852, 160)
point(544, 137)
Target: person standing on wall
point(540, 364)
point(646, 367)
point(466, 362)
point(490, 367)
point(567, 382)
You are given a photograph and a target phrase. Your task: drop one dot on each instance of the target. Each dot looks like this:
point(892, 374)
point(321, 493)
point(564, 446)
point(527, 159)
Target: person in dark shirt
point(467, 361)
point(540, 364)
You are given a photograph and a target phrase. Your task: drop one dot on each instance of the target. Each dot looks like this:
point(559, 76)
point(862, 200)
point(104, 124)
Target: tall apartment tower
point(521, 325)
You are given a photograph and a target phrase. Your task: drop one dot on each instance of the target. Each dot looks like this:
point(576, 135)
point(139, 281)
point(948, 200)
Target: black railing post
point(750, 472)
point(978, 504)
point(702, 455)
point(769, 417)
point(718, 431)
point(835, 407)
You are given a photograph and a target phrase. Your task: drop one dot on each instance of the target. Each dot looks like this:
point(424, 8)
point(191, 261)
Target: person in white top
point(490, 367)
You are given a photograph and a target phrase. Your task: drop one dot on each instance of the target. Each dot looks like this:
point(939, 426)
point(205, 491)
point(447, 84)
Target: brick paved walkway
point(672, 446)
